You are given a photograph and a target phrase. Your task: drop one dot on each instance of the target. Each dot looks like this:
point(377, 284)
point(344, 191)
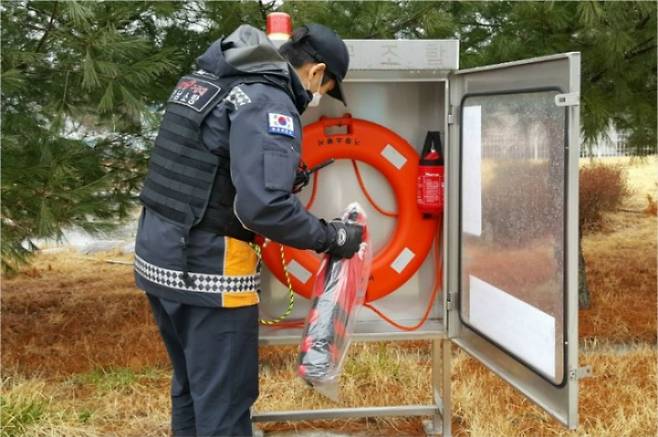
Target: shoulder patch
point(238, 97)
point(194, 93)
point(280, 124)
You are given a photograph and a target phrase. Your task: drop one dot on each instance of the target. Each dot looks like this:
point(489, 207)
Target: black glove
point(347, 239)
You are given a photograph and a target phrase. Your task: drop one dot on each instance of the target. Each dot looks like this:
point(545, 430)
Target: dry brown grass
point(119, 403)
point(621, 264)
point(621, 273)
point(68, 313)
point(619, 400)
point(69, 316)
point(376, 374)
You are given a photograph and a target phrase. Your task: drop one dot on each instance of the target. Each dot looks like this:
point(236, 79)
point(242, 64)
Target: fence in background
point(501, 146)
point(615, 144)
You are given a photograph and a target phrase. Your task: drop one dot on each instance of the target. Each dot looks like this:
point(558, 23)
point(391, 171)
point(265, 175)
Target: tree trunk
point(583, 289)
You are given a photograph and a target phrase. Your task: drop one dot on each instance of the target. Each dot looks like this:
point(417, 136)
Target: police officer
point(222, 170)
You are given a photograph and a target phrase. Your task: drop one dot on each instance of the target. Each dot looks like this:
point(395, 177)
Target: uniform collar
point(301, 95)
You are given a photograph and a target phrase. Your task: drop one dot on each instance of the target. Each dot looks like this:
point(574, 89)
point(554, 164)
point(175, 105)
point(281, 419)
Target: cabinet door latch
point(569, 99)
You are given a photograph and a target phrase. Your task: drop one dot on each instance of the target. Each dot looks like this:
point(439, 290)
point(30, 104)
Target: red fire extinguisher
point(429, 194)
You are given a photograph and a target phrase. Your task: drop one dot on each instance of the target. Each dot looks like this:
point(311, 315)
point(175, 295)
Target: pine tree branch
point(66, 85)
point(644, 22)
point(34, 26)
point(636, 51)
point(646, 41)
point(48, 29)
point(406, 22)
point(640, 52)
point(33, 9)
point(264, 10)
point(476, 24)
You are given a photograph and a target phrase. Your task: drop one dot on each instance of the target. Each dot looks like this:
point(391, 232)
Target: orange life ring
point(391, 155)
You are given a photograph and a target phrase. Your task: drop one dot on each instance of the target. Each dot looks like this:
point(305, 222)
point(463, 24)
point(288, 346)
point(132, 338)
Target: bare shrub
point(602, 189)
point(652, 206)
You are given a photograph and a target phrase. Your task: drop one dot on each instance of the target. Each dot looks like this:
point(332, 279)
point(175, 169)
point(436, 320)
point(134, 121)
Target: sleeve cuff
point(329, 236)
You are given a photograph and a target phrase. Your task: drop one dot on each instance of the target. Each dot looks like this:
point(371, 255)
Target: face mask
point(315, 101)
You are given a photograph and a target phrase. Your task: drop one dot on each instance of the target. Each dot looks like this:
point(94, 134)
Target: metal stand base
point(337, 413)
point(430, 429)
point(440, 411)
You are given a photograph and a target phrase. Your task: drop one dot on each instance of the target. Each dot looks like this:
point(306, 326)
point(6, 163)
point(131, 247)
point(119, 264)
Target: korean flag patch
point(280, 124)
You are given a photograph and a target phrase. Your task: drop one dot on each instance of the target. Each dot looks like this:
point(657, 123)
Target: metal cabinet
point(510, 243)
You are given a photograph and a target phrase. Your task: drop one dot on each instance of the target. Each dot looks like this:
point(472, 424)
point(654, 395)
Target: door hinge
point(568, 99)
point(580, 373)
point(450, 301)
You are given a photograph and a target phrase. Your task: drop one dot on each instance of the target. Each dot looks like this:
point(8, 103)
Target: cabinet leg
point(440, 424)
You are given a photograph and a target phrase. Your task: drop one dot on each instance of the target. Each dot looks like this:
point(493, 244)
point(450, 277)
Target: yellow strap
point(291, 300)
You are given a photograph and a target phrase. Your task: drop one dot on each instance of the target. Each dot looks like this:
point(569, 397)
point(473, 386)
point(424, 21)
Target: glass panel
point(512, 222)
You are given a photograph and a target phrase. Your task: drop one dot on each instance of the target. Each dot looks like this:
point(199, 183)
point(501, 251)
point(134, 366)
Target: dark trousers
point(214, 354)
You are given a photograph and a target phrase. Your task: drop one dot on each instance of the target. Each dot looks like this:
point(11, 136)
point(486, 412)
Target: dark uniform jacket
point(259, 125)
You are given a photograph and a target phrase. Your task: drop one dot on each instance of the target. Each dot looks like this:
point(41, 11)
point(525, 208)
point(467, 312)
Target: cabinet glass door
point(513, 224)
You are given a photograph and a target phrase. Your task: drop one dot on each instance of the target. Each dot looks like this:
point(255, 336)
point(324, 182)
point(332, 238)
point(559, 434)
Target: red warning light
point(278, 25)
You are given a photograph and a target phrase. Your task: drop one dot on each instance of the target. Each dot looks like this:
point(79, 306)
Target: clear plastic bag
point(338, 293)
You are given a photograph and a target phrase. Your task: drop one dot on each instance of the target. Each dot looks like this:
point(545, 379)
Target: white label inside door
point(472, 168)
point(517, 326)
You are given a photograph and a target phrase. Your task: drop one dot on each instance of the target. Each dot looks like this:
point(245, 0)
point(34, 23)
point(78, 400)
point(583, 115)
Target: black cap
point(324, 45)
